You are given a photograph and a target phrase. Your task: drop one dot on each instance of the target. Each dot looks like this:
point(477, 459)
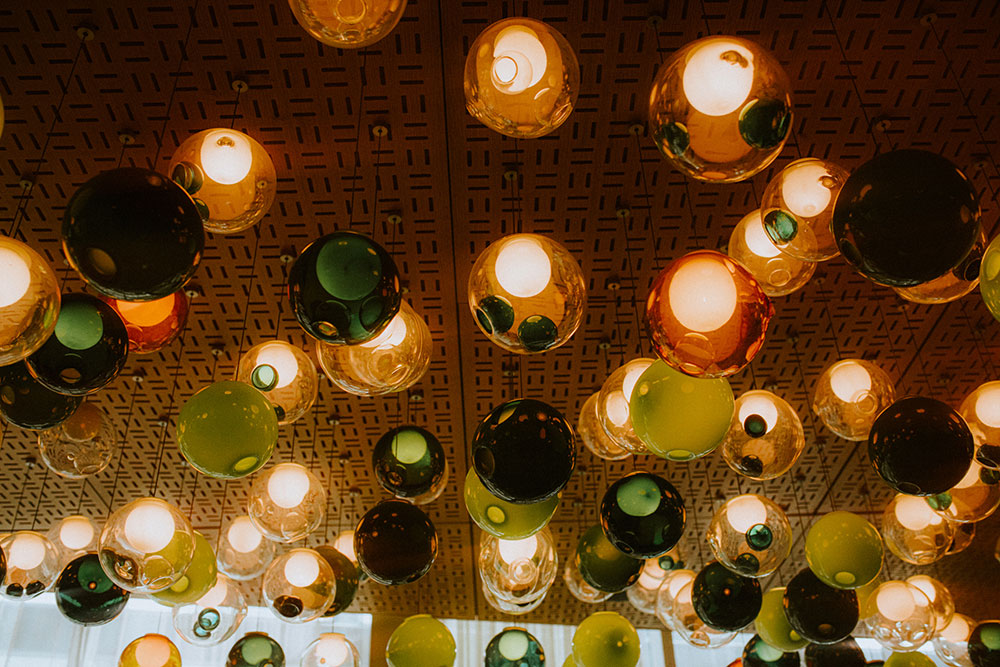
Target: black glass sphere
point(524, 452)
point(724, 600)
point(86, 351)
point(26, 402)
point(345, 573)
point(3, 565)
point(845, 653)
point(133, 234)
point(920, 446)
point(757, 653)
point(256, 649)
point(819, 613)
point(408, 461)
point(643, 515)
point(514, 647)
point(395, 543)
point(603, 565)
point(984, 644)
point(86, 595)
point(906, 217)
point(344, 288)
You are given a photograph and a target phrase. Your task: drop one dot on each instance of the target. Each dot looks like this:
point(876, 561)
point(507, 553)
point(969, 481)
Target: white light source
point(288, 485)
point(718, 77)
point(408, 446)
point(27, 551)
point(745, 512)
point(971, 476)
point(702, 295)
point(957, 630)
point(226, 157)
point(391, 336)
point(895, 601)
point(216, 594)
point(635, 371)
point(914, 513)
point(512, 551)
point(523, 268)
point(804, 192)
point(282, 360)
point(15, 277)
point(678, 581)
point(652, 575)
point(513, 645)
point(345, 545)
point(850, 381)
point(149, 527)
point(76, 532)
point(301, 569)
point(616, 408)
point(519, 59)
point(758, 241)
point(988, 406)
point(153, 651)
point(762, 406)
point(243, 536)
point(332, 650)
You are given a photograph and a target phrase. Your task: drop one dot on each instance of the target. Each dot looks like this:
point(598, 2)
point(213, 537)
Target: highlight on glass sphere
point(981, 412)
point(198, 578)
point(230, 177)
point(942, 604)
point(419, 641)
point(679, 417)
point(243, 552)
point(331, 649)
point(32, 565)
point(613, 405)
point(817, 612)
point(29, 299)
point(758, 653)
point(984, 644)
point(212, 618)
point(256, 649)
point(393, 361)
point(974, 498)
point(87, 348)
point(671, 586)
point(594, 437)
point(522, 78)
point(527, 293)
point(519, 571)
point(844, 550)
point(602, 565)
point(725, 600)
point(605, 639)
point(498, 517)
point(73, 536)
point(772, 625)
point(28, 404)
point(514, 647)
point(298, 586)
point(81, 446)
point(954, 284)
point(348, 24)
point(777, 273)
point(750, 535)
point(989, 278)
point(690, 626)
point(914, 532)
point(951, 643)
point(345, 573)
point(765, 437)
point(511, 608)
point(409, 462)
point(578, 586)
point(849, 395)
point(227, 430)
point(395, 543)
point(707, 315)
point(85, 595)
point(286, 502)
point(146, 545)
point(643, 515)
point(133, 234)
point(150, 651)
point(344, 288)
point(720, 109)
point(899, 617)
point(643, 593)
point(284, 374)
point(152, 325)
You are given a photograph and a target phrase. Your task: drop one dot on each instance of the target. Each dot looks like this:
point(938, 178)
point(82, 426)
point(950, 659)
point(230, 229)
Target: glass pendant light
point(765, 438)
point(981, 412)
point(690, 626)
point(594, 437)
point(519, 571)
point(81, 446)
point(410, 463)
point(86, 595)
point(578, 586)
point(29, 404)
point(758, 653)
point(642, 594)
point(29, 299)
point(150, 651)
point(974, 498)
point(514, 647)
point(152, 325)
point(347, 576)
point(331, 649)
point(396, 543)
point(284, 374)
point(286, 502)
point(244, 553)
point(348, 24)
point(420, 641)
point(777, 273)
point(724, 599)
point(256, 649)
point(942, 604)
point(643, 515)
point(345, 545)
point(198, 578)
point(849, 395)
point(817, 612)
point(951, 643)
point(671, 586)
point(750, 534)
point(914, 532)
point(605, 639)
point(507, 520)
point(508, 607)
point(844, 550)
point(299, 586)
point(32, 565)
point(73, 536)
point(899, 616)
point(953, 285)
point(602, 565)
point(212, 618)
point(613, 405)
point(772, 625)
point(989, 278)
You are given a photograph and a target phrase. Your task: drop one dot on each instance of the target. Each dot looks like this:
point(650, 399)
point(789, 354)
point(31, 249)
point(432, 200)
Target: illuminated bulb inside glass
point(408, 447)
point(745, 512)
point(757, 239)
point(971, 476)
point(652, 575)
point(243, 536)
point(149, 528)
point(519, 60)
point(703, 295)
point(146, 313)
point(850, 381)
point(391, 336)
point(988, 406)
point(523, 267)
point(512, 551)
point(288, 485)
point(914, 513)
point(152, 651)
point(226, 157)
point(76, 532)
point(345, 545)
point(803, 190)
point(958, 630)
point(282, 360)
point(684, 594)
point(332, 650)
point(759, 405)
point(678, 582)
point(15, 277)
point(616, 408)
point(26, 552)
point(924, 584)
point(635, 371)
point(718, 77)
point(895, 601)
point(301, 569)
point(215, 595)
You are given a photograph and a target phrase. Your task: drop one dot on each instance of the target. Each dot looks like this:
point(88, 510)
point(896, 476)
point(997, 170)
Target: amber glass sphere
point(750, 534)
point(284, 374)
point(150, 651)
point(286, 502)
point(518, 571)
point(594, 437)
point(213, 617)
point(981, 411)
point(527, 293)
point(707, 315)
point(152, 325)
point(32, 565)
point(521, 78)
point(797, 207)
point(29, 300)
point(613, 405)
point(720, 109)
point(850, 394)
point(954, 284)
point(914, 532)
point(73, 536)
point(942, 603)
point(82, 445)
point(777, 273)
point(951, 642)
point(298, 586)
point(899, 617)
point(765, 438)
point(348, 24)
point(974, 498)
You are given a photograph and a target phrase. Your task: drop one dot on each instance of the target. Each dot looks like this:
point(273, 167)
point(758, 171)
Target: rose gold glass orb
point(765, 438)
point(777, 273)
point(898, 616)
point(974, 498)
point(244, 553)
point(348, 24)
point(750, 535)
point(669, 588)
point(942, 603)
point(286, 502)
point(797, 207)
point(850, 394)
point(299, 585)
point(951, 643)
point(150, 651)
point(643, 593)
point(518, 571)
point(74, 536)
point(284, 374)
point(32, 565)
point(29, 301)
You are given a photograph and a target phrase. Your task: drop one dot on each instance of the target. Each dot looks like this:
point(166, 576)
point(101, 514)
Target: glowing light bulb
point(345, 545)
point(971, 476)
point(678, 582)
point(895, 601)
point(718, 77)
point(804, 192)
point(243, 536)
point(215, 595)
point(15, 277)
point(988, 406)
point(616, 408)
point(512, 551)
point(745, 512)
point(958, 630)
point(149, 527)
point(288, 485)
point(153, 651)
point(146, 313)
point(408, 446)
point(26, 552)
point(76, 532)
point(332, 650)
point(757, 239)
point(703, 295)
point(850, 381)
point(759, 405)
point(301, 569)
point(393, 334)
point(519, 60)
point(926, 586)
point(523, 267)
point(282, 360)
point(684, 595)
point(635, 370)
point(652, 575)
point(226, 157)
point(914, 513)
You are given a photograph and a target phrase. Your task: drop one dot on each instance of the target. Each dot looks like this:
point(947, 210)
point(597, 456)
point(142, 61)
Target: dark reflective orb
point(603, 565)
point(344, 288)
point(723, 599)
point(3, 565)
point(984, 644)
point(395, 543)
point(86, 595)
point(819, 613)
point(514, 647)
point(345, 573)
point(524, 452)
point(764, 123)
point(26, 402)
point(643, 515)
point(920, 446)
point(133, 234)
point(845, 653)
point(537, 333)
point(757, 653)
point(495, 314)
point(256, 649)
point(408, 461)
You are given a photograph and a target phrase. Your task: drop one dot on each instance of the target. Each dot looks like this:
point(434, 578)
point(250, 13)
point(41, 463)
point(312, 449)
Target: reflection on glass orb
point(667, 593)
point(981, 412)
point(602, 565)
point(914, 532)
point(396, 543)
point(953, 285)
point(750, 535)
point(707, 315)
point(150, 651)
point(973, 499)
point(73, 536)
point(81, 446)
point(942, 604)
point(409, 462)
point(212, 618)
point(29, 299)
point(849, 395)
point(85, 595)
point(899, 617)
point(723, 599)
point(286, 502)
point(510, 521)
point(514, 647)
point(521, 78)
point(331, 649)
point(198, 578)
point(348, 24)
point(951, 643)
point(527, 293)
point(344, 288)
point(989, 278)
point(643, 515)
point(508, 607)
point(772, 625)
point(256, 649)
point(613, 405)
point(643, 593)
point(345, 572)
point(344, 543)
point(844, 550)
point(797, 207)
point(152, 325)
point(689, 625)
point(758, 653)
point(28, 404)
point(284, 374)
point(420, 641)
point(765, 437)
point(227, 430)
point(777, 273)
point(393, 361)
point(907, 659)
point(298, 586)
point(605, 639)
point(133, 234)
point(594, 437)
point(243, 552)
point(578, 586)
point(984, 644)
point(146, 545)
point(817, 612)
point(519, 571)
point(680, 417)
point(844, 653)
point(32, 565)
point(719, 109)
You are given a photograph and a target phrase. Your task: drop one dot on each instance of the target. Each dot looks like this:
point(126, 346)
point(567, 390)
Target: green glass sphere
point(506, 520)
point(409, 461)
point(605, 639)
point(984, 644)
point(723, 599)
point(844, 550)
point(421, 641)
point(680, 417)
point(27, 403)
point(989, 278)
point(845, 653)
point(643, 515)
point(345, 572)
point(772, 625)
point(911, 659)
point(395, 542)
point(758, 653)
point(514, 647)
point(85, 594)
point(819, 613)
point(227, 430)
point(603, 565)
point(256, 649)
point(198, 578)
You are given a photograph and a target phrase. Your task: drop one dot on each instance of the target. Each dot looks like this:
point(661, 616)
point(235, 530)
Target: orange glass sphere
point(348, 24)
point(778, 274)
point(152, 325)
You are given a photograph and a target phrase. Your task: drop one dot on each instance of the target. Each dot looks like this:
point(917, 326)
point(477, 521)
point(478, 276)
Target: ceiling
point(870, 74)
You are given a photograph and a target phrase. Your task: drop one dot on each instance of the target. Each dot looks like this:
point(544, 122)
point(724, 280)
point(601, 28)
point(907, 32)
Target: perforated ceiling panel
point(866, 76)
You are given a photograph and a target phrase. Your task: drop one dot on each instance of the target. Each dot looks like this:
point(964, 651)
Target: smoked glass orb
point(914, 532)
point(284, 374)
point(86, 595)
point(605, 639)
point(952, 285)
point(989, 278)
point(345, 572)
point(907, 659)
point(146, 545)
point(671, 586)
point(512, 608)
point(845, 653)
point(844, 550)
point(691, 628)
point(951, 643)
point(212, 618)
point(849, 395)
point(941, 602)
point(344, 288)
point(421, 641)
point(243, 553)
point(765, 437)
point(348, 24)
point(797, 207)
point(150, 651)
point(817, 612)
point(521, 78)
point(395, 542)
point(724, 600)
point(230, 177)
point(594, 437)
point(73, 536)
point(256, 649)
point(772, 625)
point(393, 361)
point(133, 234)
point(227, 430)
point(578, 586)
point(198, 578)
point(514, 647)
point(331, 649)
point(750, 535)
point(643, 515)
point(613, 405)
point(298, 586)
point(510, 521)
point(984, 644)
point(286, 502)
point(409, 462)
point(777, 273)
point(981, 412)
point(152, 325)
point(643, 593)
point(32, 565)
point(720, 109)
point(603, 565)
point(86, 350)
point(27, 403)
point(29, 300)
point(758, 653)
point(519, 571)
point(527, 293)
point(81, 446)
point(898, 616)
point(974, 498)
point(679, 417)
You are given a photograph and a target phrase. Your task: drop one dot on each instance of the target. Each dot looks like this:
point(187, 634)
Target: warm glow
point(26, 552)
point(512, 551)
point(15, 277)
point(718, 77)
point(279, 357)
point(616, 408)
point(523, 267)
point(803, 190)
point(757, 239)
point(149, 527)
point(393, 334)
point(302, 568)
point(958, 630)
point(914, 513)
point(652, 575)
point(926, 586)
point(678, 580)
point(702, 294)
point(288, 485)
point(850, 381)
point(146, 313)
point(152, 651)
point(895, 601)
point(684, 595)
point(345, 545)
point(971, 476)
point(761, 405)
point(519, 59)
point(988, 405)
point(216, 594)
point(243, 536)
point(745, 512)
point(332, 650)
point(635, 370)
point(76, 532)
point(226, 156)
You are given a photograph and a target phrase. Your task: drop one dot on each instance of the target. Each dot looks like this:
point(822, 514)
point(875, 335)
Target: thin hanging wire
point(357, 136)
point(41, 498)
point(20, 498)
point(173, 87)
point(155, 482)
point(236, 105)
point(136, 382)
point(378, 163)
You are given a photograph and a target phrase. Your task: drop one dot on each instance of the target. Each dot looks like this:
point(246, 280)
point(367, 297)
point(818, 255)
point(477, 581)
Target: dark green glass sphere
point(757, 653)
point(86, 595)
point(524, 452)
point(643, 515)
point(514, 647)
point(408, 461)
point(920, 446)
point(845, 653)
point(256, 649)
point(984, 644)
point(344, 288)
point(133, 234)
point(819, 613)
point(345, 573)
point(724, 600)
point(26, 402)
point(395, 543)
point(603, 565)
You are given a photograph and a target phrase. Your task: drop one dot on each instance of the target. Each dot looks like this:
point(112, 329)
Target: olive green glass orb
point(772, 625)
point(817, 612)
point(758, 653)
point(150, 650)
point(409, 462)
point(605, 639)
point(989, 278)
point(643, 515)
point(198, 578)
point(908, 659)
point(421, 641)
point(844, 550)
point(984, 644)
point(680, 417)
point(514, 647)
point(345, 572)
point(227, 430)
point(506, 520)
point(27, 403)
point(603, 565)
point(256, 649)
